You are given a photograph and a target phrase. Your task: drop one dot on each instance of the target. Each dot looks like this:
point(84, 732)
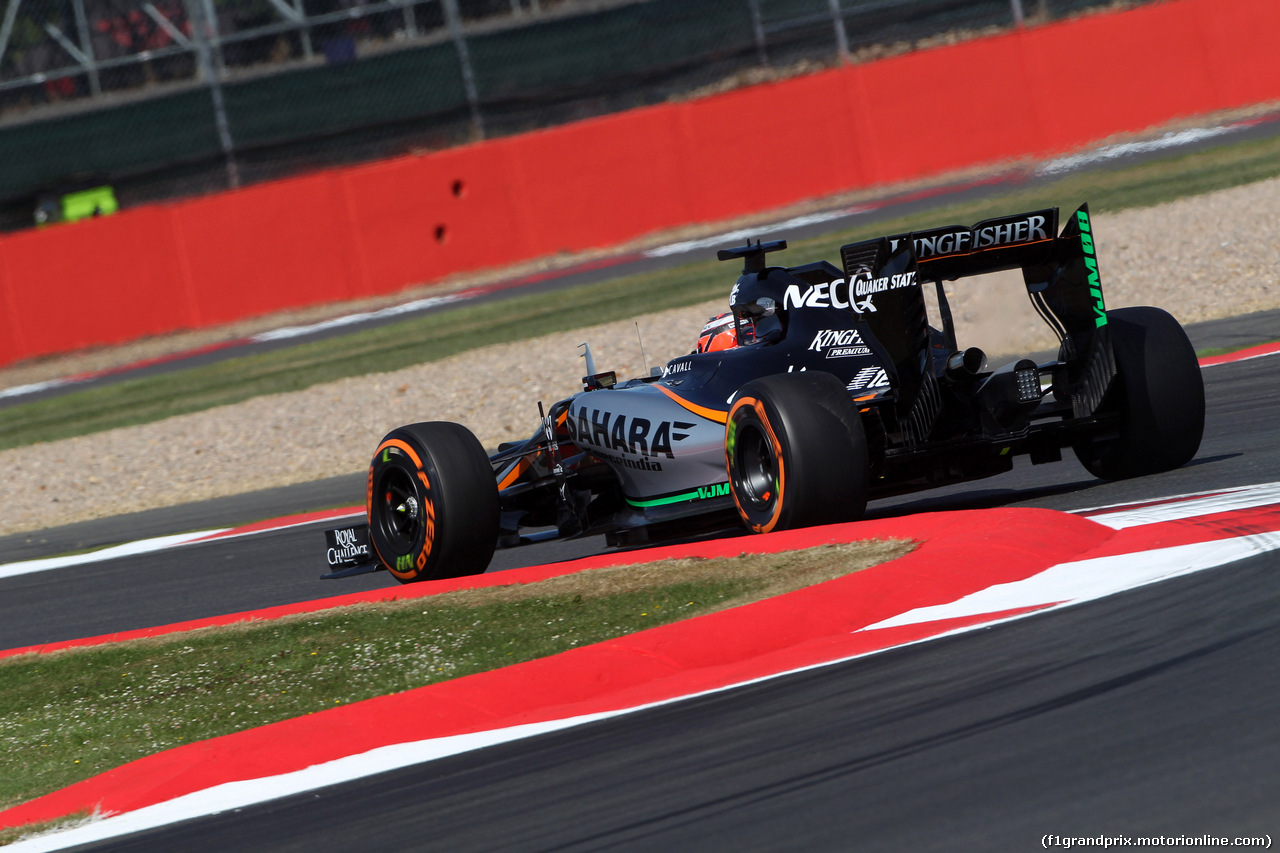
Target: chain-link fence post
point(454, 19)
point(304, 33)
point(410, 21)
point(203, 30)
point(6, 29)
point(86, 44)
point(215, 39)
point(842, 37)
point(757, 27)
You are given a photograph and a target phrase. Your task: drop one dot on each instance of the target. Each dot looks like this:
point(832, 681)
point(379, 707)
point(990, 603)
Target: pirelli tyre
point(432, 503)
point(1158, 395)
point(796, 452)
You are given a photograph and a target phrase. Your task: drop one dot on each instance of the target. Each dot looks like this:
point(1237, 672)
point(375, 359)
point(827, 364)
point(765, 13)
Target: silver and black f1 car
point(838, 391)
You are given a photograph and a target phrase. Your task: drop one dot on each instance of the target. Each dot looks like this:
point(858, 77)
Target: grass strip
point(1210, 352)
point(19, 833)
point(72, 714)
point(438, 336)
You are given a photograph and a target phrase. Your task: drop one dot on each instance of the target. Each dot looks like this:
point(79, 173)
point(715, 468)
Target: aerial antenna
point(644, 361)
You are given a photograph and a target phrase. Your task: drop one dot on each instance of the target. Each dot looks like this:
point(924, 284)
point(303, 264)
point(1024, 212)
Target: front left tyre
point(432, 503)
point(796, 452)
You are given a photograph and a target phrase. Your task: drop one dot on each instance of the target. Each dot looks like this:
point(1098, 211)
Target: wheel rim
point(756, 468)
point(400, 515)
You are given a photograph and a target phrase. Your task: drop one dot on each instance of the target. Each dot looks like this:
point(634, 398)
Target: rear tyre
point(796, 452)
point(432, 503)
point(1158, 394)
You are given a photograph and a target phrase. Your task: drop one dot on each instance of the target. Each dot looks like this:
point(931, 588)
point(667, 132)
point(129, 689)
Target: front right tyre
point(432, 503)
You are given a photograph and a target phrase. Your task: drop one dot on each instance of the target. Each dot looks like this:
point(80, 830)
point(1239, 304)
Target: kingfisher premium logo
point(839, 343)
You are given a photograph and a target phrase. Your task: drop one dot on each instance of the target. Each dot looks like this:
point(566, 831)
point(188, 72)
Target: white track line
point(1187, 506)
point(150, 546)
point(351, 319)
point(35, 387)
point(250, 792)
point(1173, 139)
point(1086, 580)
point(129, 549)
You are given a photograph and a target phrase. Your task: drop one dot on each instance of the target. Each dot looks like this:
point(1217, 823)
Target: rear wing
point(1007, 242)
point(1061, 275)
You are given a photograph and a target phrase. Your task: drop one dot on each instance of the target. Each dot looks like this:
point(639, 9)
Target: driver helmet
point(719, 333)
point(758, 308)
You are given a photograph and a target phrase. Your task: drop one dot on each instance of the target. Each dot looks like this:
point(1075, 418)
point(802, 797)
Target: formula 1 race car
point(836, 390)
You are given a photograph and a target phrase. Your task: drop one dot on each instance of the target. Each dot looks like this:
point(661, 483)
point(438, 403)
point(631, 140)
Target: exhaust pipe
point(966, 364)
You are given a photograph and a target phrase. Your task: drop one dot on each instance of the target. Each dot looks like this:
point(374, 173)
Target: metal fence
point(169, 97)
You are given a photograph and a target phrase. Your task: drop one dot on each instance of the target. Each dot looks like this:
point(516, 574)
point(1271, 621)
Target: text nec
point(836, 294)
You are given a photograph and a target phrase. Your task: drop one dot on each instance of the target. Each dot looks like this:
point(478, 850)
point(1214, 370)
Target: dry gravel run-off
point(1200, 258)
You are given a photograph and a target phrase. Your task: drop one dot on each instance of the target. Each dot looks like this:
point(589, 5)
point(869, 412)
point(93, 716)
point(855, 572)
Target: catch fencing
point(164, 98)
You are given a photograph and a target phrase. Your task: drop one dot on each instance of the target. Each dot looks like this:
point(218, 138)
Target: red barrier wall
point(381, 227)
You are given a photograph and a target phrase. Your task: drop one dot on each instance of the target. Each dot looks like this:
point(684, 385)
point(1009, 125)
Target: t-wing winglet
point(752, 255)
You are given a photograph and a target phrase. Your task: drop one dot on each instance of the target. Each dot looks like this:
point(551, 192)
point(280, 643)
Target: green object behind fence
point(99, 201)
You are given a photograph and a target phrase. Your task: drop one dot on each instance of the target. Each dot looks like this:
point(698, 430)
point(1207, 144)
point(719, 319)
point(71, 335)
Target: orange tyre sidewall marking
point(428, 508)
point(758, 407)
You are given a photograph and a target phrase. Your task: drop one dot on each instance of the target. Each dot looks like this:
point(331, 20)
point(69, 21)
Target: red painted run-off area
point(379, 228)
